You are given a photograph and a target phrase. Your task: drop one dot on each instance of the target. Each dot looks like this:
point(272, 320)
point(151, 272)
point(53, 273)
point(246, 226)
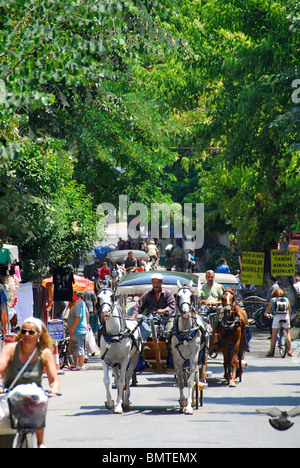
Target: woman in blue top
point(191, 260)
point(78, 327)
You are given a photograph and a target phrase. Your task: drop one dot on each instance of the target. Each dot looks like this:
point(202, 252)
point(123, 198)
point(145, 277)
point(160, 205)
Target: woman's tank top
point(32, 373)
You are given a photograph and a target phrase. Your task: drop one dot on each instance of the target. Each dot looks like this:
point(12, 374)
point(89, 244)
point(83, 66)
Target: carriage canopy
point(226, 279)
point(138, 283)
point(119, 255)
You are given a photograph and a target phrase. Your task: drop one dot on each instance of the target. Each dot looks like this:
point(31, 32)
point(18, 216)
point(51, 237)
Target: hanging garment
point(63, 280)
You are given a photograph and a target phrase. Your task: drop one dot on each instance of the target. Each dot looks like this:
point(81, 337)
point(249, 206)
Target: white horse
point(120, 347)
point(148, 266)
point(185, 341)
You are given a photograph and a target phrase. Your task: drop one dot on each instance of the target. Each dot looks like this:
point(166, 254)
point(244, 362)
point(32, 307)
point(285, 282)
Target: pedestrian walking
point(78, 327)
point(191, 260)
point(178, 257)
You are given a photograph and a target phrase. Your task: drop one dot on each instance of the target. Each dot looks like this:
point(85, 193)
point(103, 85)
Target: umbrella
point(80, 283)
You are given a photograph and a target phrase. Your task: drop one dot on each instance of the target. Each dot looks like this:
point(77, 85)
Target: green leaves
point(73, 132)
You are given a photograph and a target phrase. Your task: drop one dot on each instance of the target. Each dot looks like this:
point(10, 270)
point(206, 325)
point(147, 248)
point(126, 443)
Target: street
point(228, 418)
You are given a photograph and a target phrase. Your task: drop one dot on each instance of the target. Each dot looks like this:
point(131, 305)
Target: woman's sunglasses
point(31, 332)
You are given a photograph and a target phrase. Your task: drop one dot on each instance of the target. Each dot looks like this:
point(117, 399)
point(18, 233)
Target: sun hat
point(157, 276)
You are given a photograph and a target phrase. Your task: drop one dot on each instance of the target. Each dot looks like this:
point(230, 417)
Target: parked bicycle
point(253, 304)
point(65, 357)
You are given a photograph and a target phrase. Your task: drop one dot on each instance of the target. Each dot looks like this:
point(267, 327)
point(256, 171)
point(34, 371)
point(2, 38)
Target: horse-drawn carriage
point(116, 258)
point(177, 345)
point(228, 327)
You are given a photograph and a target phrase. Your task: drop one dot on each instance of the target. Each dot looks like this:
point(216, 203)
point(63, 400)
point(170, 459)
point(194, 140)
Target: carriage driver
point(157, 300)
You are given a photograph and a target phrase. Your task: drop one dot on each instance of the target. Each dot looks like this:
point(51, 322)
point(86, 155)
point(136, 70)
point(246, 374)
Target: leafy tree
point(247, 177)
point(69, 111)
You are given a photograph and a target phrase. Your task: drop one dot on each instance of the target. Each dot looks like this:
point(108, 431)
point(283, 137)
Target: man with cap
point(157, 300)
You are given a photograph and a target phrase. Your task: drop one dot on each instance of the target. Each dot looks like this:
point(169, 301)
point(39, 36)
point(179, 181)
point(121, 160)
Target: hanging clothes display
point(63, 280)
point(25, 305)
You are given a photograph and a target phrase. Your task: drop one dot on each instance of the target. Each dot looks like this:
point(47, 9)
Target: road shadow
point(154, 410)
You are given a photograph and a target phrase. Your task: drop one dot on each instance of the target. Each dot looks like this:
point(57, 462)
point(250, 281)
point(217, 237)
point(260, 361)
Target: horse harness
point(127, 333)
point(230, 325)
point(185, 336)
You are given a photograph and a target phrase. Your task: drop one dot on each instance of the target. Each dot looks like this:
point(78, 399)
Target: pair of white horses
point(121, 346)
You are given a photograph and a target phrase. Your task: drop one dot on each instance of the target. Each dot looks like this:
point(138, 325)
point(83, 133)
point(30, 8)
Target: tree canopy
point(166, 100)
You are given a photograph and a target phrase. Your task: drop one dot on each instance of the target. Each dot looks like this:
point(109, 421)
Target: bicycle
point(281, 341)
point(261, 321)
point(23, 417)
point(65, 358)
point(252, 304)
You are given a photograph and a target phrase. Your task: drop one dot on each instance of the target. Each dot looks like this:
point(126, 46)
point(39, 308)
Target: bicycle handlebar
point(49, 394)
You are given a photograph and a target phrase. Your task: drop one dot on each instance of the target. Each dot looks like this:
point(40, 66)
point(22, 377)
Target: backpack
point(281, 305)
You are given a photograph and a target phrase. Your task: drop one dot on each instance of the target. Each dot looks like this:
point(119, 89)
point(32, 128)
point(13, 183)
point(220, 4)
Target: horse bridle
point(229, 308)
point(227, 291)
point(183, 303)
point(110, 305)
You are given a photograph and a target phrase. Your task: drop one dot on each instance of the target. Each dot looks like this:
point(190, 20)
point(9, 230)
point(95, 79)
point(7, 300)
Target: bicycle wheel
point(261, 321)
point(282, 343)
point(252, 304)
point(24, 439)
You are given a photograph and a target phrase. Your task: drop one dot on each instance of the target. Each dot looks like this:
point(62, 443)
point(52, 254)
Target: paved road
point(228, 418)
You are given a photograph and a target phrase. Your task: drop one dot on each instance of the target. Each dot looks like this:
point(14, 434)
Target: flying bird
point(279, 418)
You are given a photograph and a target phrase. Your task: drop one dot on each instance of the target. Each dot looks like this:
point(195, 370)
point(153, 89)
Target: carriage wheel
point(195, 394)
point(156, 347)
point(202, 378)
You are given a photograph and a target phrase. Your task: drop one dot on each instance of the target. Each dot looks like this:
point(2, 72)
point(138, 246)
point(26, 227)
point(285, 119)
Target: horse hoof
point(232, 384)
point(126, 406)
point(118, 409)
point(109, 405)
point(189, 410)
point(182, 403)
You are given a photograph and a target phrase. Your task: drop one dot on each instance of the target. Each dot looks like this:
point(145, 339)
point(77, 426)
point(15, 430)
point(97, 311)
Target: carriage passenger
point(212, 291)
point(211, 298)
point(157, 300)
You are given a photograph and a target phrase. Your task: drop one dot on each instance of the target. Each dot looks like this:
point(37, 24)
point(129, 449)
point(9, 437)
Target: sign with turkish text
point(253, 268)
point(283, 262)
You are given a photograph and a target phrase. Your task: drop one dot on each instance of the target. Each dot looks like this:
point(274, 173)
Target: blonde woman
point(33, 335)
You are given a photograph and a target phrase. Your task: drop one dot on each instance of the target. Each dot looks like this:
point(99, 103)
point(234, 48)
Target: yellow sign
point(253, 268)
point(283, 262)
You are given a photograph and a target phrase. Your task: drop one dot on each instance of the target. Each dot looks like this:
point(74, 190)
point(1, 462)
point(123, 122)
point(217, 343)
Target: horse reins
point(230, 325)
